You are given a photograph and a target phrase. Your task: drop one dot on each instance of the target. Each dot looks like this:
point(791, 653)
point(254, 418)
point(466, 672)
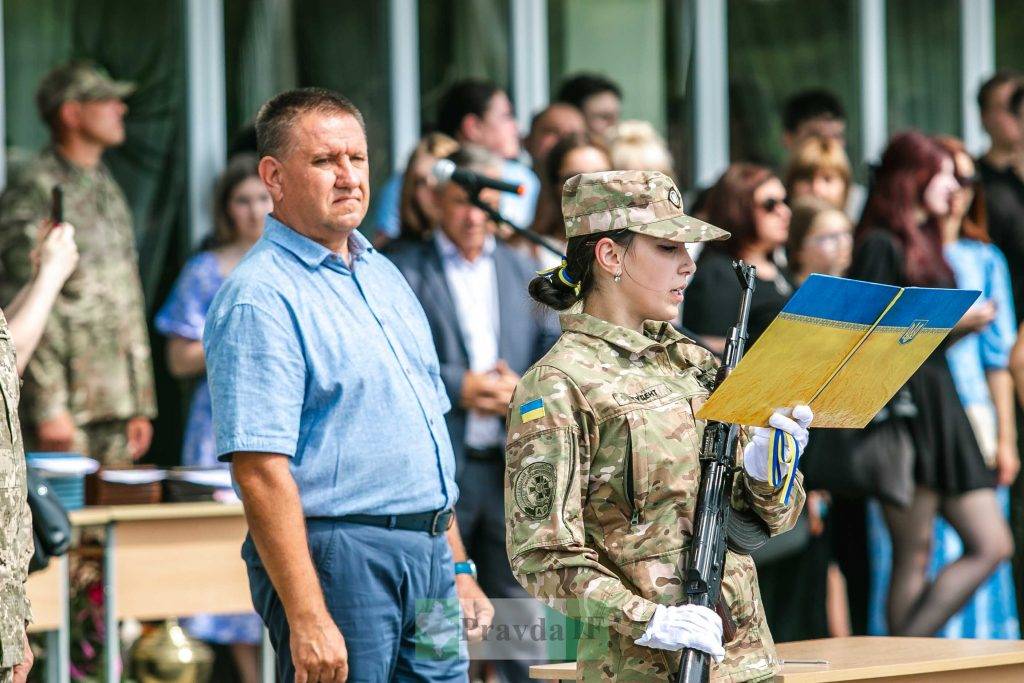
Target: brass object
point(168, 655)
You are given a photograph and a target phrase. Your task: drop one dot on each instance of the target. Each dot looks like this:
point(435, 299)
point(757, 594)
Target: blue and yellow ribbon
point(785, 460)
point(563, 276)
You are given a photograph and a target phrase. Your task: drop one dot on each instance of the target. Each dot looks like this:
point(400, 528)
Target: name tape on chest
point(645, 395)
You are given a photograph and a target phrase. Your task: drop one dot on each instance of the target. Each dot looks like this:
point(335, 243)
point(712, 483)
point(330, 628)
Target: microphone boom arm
point(496, 216)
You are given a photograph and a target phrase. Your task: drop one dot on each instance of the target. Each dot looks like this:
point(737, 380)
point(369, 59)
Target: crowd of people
point(941, 459)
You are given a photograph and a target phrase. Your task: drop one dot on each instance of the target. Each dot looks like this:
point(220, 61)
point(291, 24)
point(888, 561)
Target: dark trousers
point(378, 585)
point(481, 515)
point(848, 519)
point(1017, 523)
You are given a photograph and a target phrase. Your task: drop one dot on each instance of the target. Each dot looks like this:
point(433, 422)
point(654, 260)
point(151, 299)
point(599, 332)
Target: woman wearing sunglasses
point(750, 202)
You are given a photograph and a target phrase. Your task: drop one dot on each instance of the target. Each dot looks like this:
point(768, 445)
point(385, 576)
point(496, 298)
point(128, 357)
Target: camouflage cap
point(78, 81)
point(646, 202)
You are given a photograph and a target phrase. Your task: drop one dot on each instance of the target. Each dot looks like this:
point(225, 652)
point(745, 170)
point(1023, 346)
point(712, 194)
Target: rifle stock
point(703, 566)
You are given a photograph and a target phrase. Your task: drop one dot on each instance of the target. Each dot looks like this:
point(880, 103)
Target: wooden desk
point(164, 564)
point(168, 560)
point(895, 660)
point(49, 594)
point(47, 591)
point(904, 660)
point(159, 561)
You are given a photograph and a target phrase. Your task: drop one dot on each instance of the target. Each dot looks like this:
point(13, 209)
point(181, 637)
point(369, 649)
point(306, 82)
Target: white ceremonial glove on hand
point(693, 626)
point(757, 454)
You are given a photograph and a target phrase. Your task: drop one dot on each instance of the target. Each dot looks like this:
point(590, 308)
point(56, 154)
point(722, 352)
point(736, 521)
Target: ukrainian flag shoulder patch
point(532, 410)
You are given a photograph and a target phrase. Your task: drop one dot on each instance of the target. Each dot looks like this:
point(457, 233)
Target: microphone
point(445, 170)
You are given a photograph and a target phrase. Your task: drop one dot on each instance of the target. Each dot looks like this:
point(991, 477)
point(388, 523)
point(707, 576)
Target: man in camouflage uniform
point(602, 465)
point(16, 534)
point(89, 387)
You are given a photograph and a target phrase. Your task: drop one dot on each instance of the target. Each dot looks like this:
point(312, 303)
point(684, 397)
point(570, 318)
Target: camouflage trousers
point(6, 675)
point(106, 442)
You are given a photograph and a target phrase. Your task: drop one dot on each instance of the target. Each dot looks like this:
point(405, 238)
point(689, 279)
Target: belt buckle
point(437, 515)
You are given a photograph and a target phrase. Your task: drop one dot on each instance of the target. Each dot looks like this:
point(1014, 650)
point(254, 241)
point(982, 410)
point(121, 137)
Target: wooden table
point(163, 564)
point(159, 561)
point(904, 660)
point(169, 560)
point(896, 660)
point(48, 592)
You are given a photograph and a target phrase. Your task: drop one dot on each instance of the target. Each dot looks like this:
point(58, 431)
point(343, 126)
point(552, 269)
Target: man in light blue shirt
point(328, 401)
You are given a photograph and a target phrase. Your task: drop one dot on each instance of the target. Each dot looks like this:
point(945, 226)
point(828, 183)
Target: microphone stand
point(495, 215)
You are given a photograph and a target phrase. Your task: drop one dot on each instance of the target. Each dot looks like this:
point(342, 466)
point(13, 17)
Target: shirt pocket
point(661, 452)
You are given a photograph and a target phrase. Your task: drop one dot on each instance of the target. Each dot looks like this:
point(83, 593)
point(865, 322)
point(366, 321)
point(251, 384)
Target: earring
point(618, 277)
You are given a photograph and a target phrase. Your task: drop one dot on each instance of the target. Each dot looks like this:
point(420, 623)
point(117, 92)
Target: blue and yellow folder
point(843, 347)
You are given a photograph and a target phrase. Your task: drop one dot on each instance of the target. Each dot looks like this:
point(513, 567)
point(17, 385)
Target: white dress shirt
point(474, 288)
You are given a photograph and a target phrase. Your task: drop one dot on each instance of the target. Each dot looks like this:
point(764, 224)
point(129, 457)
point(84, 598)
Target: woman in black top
point(899, 243)
point(750, 202)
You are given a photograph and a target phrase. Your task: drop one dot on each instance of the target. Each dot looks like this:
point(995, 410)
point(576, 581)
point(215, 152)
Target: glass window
point(475, 43)
point(272, 46)
point(778, 48)
point(655, 74)
point(1009, 22)
point(37, 37)
point(923, 55)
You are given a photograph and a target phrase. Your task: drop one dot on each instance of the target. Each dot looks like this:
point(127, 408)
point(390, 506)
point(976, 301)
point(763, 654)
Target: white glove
point(757, 454)
point(693, 626)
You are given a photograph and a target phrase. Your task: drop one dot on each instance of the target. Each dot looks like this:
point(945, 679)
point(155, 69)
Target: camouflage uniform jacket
point(94, 358)
point(16, 533)
point(601, 487)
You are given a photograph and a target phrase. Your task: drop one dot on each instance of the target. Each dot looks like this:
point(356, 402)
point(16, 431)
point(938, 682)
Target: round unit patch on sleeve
point(535, 490)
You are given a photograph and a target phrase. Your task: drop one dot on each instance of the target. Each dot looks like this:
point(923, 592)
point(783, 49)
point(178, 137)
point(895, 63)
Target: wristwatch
point(467, 567)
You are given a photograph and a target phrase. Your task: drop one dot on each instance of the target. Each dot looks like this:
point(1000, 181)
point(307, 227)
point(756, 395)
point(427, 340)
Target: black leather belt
point(433, 523)
point(494, 453)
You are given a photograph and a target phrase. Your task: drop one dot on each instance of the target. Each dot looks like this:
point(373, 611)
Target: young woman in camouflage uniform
point(602, 456)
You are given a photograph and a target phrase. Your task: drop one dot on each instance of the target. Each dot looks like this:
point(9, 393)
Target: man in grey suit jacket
point(487, 331)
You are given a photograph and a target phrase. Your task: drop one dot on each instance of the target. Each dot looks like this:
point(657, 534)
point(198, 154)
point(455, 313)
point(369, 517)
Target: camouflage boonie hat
point(80, 81)
point(646, 202)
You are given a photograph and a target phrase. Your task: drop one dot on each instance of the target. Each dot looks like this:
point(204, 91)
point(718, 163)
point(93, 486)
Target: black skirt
point(947, 457)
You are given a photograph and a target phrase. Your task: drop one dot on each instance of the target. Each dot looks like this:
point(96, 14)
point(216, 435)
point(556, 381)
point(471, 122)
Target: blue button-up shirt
point(333, 366)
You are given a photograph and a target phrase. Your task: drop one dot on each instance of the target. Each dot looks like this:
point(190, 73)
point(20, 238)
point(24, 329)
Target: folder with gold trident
point(843, 347)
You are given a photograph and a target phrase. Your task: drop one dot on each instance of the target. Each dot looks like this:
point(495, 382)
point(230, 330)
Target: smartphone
point(57, 205)
point(56, 211)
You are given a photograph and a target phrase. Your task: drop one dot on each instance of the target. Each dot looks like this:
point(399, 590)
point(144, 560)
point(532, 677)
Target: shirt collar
point(74, 170)
point(656, 332)
point(309, 252)
point(450, 251)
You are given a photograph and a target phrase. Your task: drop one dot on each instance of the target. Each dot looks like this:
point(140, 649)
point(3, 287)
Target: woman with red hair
point(899, 242)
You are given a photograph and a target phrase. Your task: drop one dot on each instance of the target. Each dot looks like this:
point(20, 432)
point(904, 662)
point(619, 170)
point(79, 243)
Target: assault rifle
point(715, 525)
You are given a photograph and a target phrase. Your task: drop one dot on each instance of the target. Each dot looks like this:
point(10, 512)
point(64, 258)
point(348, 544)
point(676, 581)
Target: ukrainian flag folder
point(843, 347)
